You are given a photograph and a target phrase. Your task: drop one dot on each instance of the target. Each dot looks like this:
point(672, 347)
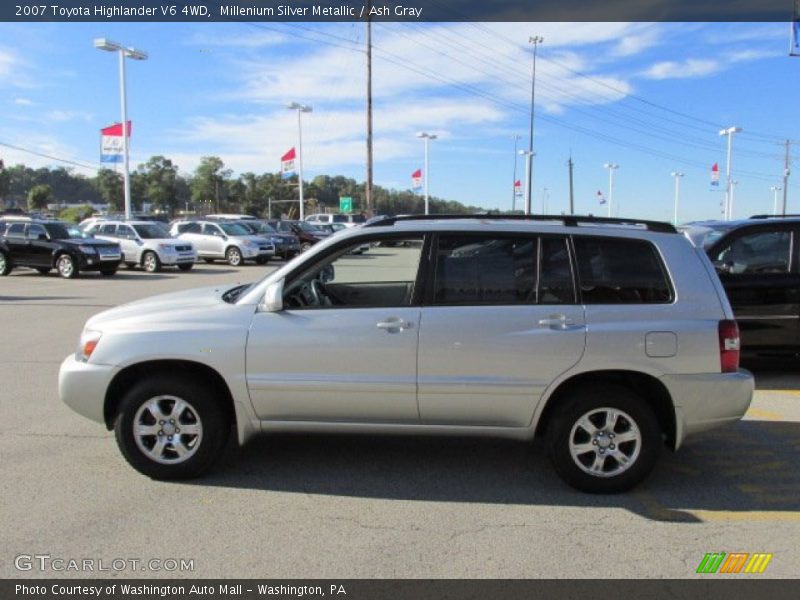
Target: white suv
point(224, 240)
point(146, 243)
point(347, 220)
point(610, 339)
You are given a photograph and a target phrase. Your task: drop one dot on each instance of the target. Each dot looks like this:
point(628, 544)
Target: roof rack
point(567, 220)
point(774, 216)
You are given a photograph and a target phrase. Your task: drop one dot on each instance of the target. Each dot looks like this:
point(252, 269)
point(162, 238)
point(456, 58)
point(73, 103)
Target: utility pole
point(514, 179)
point(368, 186)
point(775, 189)
point(535, 40)
point(728, 186)
point(611, 168)
point(570, 164)
point(677, 175)
point(786, 173)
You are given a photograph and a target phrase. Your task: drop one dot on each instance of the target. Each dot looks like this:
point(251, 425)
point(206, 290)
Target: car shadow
point(130, 274)
point(776, 375)
point(37, 298)
point(750, 466)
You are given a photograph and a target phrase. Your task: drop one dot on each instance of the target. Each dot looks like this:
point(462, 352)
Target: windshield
point(61, 231)
point(234, 229)
point(151, 231)
point(308, 227)
point(705, 236)
point(264, 228)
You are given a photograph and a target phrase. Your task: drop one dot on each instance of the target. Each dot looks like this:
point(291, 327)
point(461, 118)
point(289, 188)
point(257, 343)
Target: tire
point(5, 264)
point(579, 438)
point(234, 256)
point(186, 267)
point(66, 266)
point(305, 246)
point(108, 272)
point(202, 415)
point(150, 262)
point(262, 260)
point(43, 270)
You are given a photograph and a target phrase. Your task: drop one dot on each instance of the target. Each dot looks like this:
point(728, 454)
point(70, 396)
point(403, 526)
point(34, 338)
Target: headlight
point(166, 247)
point(276, 241)
point(87, 249)
point(251, 244)
point(87, 344)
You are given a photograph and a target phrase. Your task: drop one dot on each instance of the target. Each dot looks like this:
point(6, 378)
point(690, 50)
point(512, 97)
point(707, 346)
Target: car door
point(18, 244)
point(39, 247)
point(346, 360)
point(192, 233)
point(760, 276)
point(213, 240)
point(500, 323)
point(129, 242)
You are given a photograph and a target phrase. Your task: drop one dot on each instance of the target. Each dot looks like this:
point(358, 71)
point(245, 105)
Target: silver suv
point(610, 339)
point(224, 240)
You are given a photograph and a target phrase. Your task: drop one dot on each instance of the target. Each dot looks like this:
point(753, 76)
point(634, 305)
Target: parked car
point(348, 220)
point(758, 262)
point(146, 243)
point(287, 245)
point(230, 217)
point(223, 240)
point(48, 244)
point(307, 233)
point(609, 340)
point(337, 227)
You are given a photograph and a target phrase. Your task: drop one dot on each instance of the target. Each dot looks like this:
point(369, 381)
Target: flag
point(111, 147)
point(715, 174)
point(287, 164)
point(601, 197)
point(794, 45)
point(416, 179)
point(518, 188)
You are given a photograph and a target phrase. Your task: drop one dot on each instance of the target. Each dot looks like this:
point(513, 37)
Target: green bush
point(76, 214)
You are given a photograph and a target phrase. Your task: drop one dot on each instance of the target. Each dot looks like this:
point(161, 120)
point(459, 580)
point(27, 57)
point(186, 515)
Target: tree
point(39, 196)
point(109, 185)
point(209, 180)
point(160, 176)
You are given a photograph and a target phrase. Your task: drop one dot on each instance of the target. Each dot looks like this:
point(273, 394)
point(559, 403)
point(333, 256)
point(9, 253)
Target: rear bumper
point(708, 400)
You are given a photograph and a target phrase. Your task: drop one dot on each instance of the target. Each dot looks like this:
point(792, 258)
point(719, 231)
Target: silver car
point(609, 339)
point(224, 240)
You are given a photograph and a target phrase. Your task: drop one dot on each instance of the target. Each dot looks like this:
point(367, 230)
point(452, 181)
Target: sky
point(650, 97)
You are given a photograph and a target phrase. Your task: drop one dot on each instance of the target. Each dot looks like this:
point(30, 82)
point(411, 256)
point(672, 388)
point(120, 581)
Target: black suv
point(44, 245)
point(758, 262)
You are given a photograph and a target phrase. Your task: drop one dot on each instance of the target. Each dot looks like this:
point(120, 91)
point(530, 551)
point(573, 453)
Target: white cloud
point(691, 67)
point(23, 102)
point(62, 116)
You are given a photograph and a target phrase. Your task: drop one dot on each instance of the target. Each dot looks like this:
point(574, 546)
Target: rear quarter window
point(620, 271)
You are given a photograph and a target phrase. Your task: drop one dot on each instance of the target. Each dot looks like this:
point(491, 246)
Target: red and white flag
point(111, 146)
point(416, 179)
point(518, 188)
point(601, 197)
point(715, 174)
point(287, 164)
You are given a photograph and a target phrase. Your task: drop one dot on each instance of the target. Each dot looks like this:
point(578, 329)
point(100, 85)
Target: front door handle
point(556, 322)
point(394, 324)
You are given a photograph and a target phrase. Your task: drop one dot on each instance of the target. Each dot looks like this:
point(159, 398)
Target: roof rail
point(774, 216)
point(567, 220)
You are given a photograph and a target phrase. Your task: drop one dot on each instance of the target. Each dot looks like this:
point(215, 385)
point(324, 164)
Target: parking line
point(752, 515)
point(764, 414)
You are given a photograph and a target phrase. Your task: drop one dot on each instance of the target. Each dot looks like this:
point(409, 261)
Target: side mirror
point(273, 297)
point(42, 237)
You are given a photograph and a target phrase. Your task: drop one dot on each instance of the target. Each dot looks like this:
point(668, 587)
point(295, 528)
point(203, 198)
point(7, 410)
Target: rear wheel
point(5, 264)
point(170, 428)
point(43, 270)
point(186, 267)
point(604, 439)
point(67, 267)
point(234, 256)
point(150, 262)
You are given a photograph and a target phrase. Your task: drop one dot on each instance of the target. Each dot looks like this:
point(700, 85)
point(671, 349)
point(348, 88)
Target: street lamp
point(535, 40)
point(300, 108)
point(514, 179)
point(427, 137)
point(775, 189)
point(677, 175)
point(734, 183)
point(728, 191)
point(611, 168)
point(123, 52)
point(528, 161)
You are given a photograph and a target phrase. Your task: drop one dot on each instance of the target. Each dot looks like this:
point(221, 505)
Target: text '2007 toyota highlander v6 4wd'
point(611, 339)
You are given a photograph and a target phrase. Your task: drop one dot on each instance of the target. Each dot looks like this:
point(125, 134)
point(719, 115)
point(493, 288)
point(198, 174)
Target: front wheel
point(5, 264)
point(234, 256)
point(67, 267)
point(170, 428)
point(151, 263)
point(604, 439)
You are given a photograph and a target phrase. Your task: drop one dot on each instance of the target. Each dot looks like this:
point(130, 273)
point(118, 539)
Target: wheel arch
point(653, 391)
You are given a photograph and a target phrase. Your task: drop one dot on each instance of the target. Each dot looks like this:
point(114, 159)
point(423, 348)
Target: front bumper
point(708, 400)
point(179, 258)
point(82, 386)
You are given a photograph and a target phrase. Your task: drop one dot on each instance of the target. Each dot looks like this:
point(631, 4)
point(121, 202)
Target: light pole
point(611, 168)
point(528, 161)
point(535, 40)
point(514, 179)
point(728, 191)
point(426, 137)
point(123, 52)
point(775, 189)
point(734, 183)
point(300, 108)
point(677, 175)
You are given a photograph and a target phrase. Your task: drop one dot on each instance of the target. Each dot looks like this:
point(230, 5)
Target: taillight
point(729, 346)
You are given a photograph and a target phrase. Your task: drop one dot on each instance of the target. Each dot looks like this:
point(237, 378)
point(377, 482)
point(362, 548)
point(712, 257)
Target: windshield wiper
point(232, 295)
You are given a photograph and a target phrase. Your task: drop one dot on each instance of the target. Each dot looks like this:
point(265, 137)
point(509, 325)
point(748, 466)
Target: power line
point(49, 156)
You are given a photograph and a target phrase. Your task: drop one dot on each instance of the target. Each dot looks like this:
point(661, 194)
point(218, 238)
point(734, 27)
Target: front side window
point(34, 231)
point(126, 232)
point(210, 229)
point(234, 229)
point(620, 271)
point(189, 228)
point(151, 231)
point(346, 280)
point(502, 270)
point(762, 252)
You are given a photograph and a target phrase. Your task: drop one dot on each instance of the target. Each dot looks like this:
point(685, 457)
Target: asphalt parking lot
point(363, 507)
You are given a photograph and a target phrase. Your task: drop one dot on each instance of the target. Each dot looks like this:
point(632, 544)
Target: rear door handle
point(556, 322)
point(394, 324)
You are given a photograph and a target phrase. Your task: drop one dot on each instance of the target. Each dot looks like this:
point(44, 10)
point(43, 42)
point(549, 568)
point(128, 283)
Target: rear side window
point(762, 252)
point(486, 270)
point(107, 230)
point(617, 271)
point(16, 230)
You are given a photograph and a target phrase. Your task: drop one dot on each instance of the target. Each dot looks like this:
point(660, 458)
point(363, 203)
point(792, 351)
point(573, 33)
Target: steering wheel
point(319, 293)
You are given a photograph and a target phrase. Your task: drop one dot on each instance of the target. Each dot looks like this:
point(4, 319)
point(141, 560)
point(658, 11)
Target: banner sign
point(416, 180)
point(287, 164)
point(112, 149)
